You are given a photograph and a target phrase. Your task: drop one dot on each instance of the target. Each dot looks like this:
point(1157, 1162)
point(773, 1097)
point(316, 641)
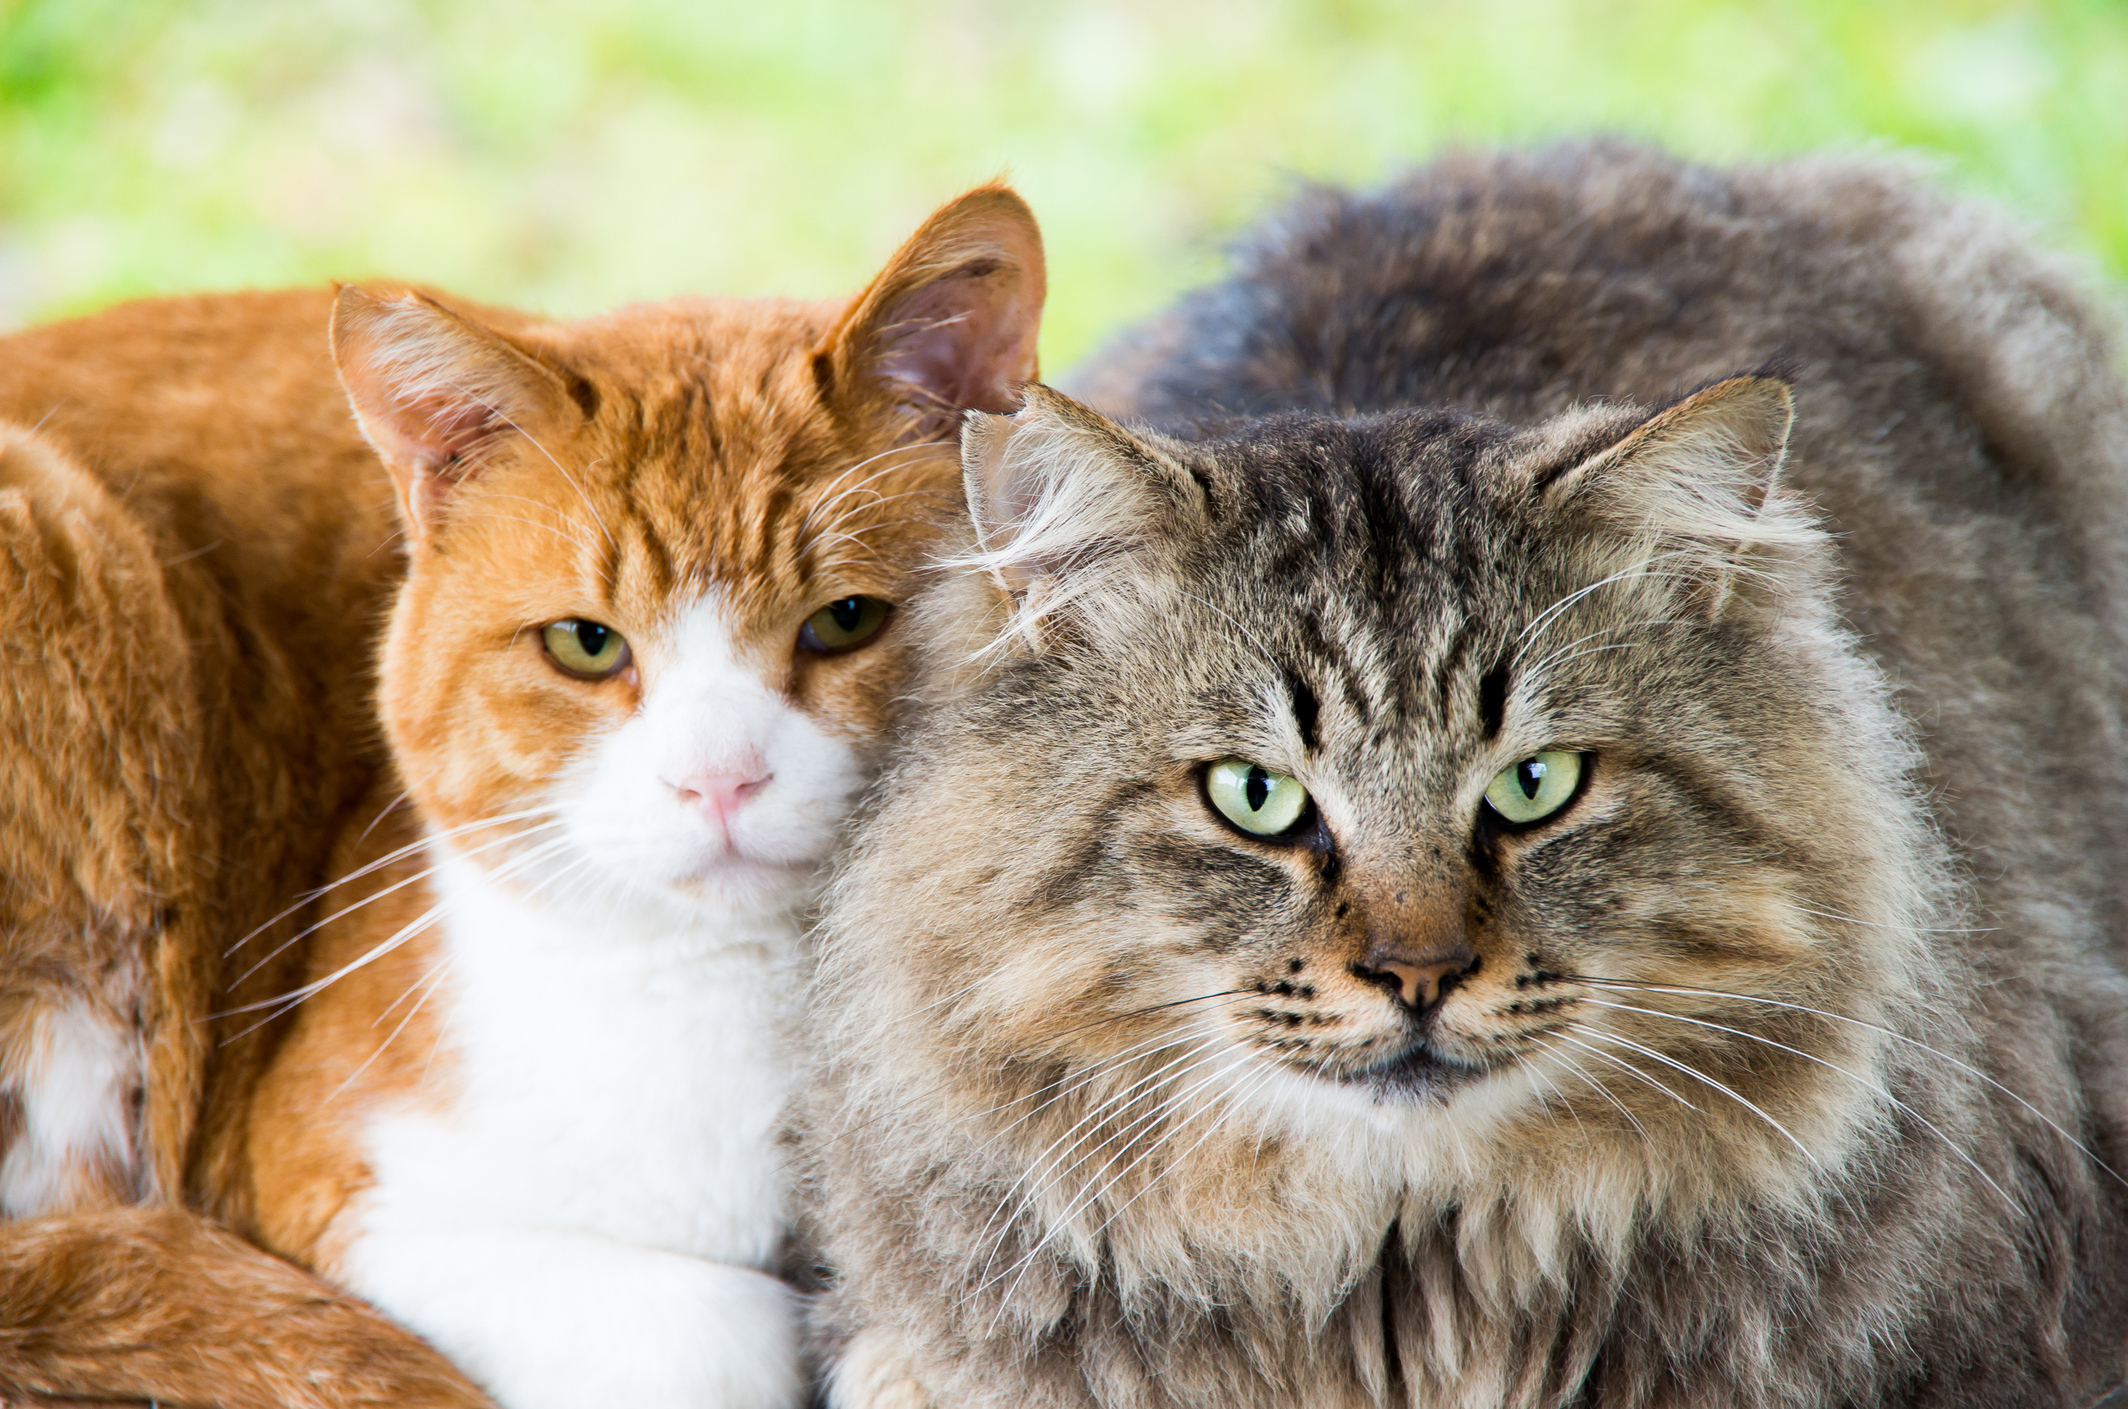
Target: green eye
point(1535, 788)
point(585, 648)
point(1254, 798)
point(843, 624)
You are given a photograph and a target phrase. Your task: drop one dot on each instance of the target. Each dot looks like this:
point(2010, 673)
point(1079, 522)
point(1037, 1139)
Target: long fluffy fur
point(1812, 1006)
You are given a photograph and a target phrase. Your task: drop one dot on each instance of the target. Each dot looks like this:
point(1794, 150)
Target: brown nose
point(1418, 980)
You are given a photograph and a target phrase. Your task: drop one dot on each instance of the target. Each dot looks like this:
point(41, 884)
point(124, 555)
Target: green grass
point(570, 157)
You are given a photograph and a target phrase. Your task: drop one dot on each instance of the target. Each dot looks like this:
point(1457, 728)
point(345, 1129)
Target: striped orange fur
point(203, 556)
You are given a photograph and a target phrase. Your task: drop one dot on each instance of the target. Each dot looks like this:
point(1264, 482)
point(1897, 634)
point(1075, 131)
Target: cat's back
point(1940, 363)
point(219, 420)
point(152, 379)
point(257, 531)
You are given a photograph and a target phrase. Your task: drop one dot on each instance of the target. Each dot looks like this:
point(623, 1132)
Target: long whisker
point(428, 984)
point(493, 497)
point(1543, 618)
point(287, 1002)
point(1124, 1137)
point(1074, 1081)
point(1556, 660)
point(387, 810)
point(584, 543)
point(1746, 1102)
point(931, 450)
point(397, 885)
point(387, 859)
point(1083, 1124)
point(503, 416)
point(1619, 1061)
point(830, 491)
point(1861, 1081)
point(876, 501)
point(1552, 1091)
point(1879, 1028)
point(1213, 1118)
point(1079, 1077)
point(1049, 1167)
point(855, 536)
point(1159, 1007)
point(851, 1127)
point(1874, 925)
point(1235, 622)
point(1588, 1079)
point(1555, 657)
point(1237, 1058)
point(1039, 1168)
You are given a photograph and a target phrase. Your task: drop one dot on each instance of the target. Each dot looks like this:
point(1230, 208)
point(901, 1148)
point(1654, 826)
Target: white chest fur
point(587, 1216)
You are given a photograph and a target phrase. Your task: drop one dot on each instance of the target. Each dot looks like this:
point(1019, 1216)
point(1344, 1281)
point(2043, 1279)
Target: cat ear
point(1696, 482)
point(1060, 496)
point(948, 326)
point(434, 392)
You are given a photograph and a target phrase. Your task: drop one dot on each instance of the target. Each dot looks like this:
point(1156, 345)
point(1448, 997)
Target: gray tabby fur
point(1794, 1060)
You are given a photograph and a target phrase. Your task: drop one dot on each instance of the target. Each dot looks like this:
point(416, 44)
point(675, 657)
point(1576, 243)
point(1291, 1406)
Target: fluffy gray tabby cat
point(1475, 881)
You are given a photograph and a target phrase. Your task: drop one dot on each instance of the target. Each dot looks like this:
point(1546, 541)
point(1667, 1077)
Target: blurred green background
point(570, 157)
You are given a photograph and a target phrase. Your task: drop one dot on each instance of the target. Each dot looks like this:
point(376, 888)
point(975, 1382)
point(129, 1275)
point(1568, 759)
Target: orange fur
point(198, 553)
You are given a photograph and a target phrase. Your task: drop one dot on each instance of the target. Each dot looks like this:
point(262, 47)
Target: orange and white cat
point(523, 1065)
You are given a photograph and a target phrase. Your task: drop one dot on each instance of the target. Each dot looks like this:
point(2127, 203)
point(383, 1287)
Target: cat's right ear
point(435, 392)
point(1696, 487)
point(1061, 497)
point(948, 326)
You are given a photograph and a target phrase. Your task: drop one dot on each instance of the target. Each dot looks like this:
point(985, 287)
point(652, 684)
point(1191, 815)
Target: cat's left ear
point(1696, 483)
point(1066, 503)
point(948, 326)
point(436, 393)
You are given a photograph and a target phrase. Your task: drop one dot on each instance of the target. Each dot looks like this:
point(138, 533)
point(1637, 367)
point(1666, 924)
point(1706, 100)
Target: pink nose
point(718, 795)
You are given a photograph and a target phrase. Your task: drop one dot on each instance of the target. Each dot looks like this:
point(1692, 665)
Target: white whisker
point(1237, 1059)
point(387, 859)
point(931, 450)
point(287, 1002)
point(1746, 1102)
point(1864, 1082)
point(1556, 656)
point(428, 983)
point(502, 416)
point(397, 885)
point(1618, 1061)
point(1039, 1169)
point(1874, 925)
point(1895, 1035)
point(1638, 570)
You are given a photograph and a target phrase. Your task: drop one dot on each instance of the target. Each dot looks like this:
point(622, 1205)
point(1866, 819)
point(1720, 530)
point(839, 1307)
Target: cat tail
point(160, 1304)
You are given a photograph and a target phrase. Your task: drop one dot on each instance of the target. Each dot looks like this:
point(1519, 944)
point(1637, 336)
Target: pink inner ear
point(419, 419)
point(960, 344)
point(441, 430)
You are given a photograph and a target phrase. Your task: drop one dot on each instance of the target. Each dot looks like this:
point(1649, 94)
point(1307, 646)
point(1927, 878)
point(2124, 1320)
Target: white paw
point(874, 1374)
point(570, 1321)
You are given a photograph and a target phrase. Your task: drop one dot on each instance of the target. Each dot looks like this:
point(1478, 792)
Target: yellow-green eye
point(1254, 798)
point(843, 624)
point(585, 648)
point(1535, 788)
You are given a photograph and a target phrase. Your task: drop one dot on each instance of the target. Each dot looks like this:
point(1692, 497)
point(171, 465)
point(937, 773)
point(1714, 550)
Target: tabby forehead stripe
point(1305, 709)
point(1317, 642)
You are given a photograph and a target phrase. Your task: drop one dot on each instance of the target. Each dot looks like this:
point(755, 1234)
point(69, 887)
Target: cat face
point(1411, 780)
point(657, 559)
